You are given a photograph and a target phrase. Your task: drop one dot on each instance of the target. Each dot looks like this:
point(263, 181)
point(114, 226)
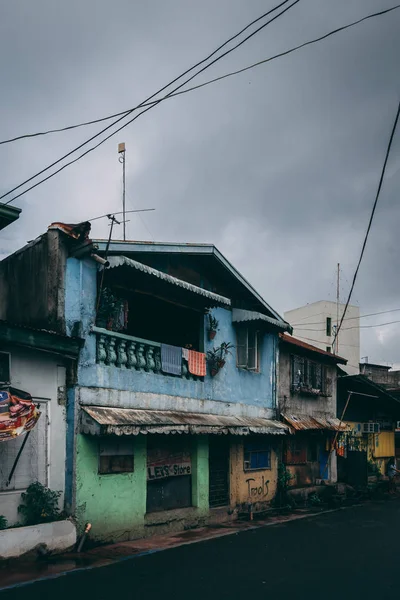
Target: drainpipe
point(100, 260)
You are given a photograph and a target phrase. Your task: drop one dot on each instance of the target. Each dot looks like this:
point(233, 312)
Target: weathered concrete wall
point(256, 487)
point(41, 374)
point(56, 537)
point(115, 504)
point(32, 284)
point(298, 404)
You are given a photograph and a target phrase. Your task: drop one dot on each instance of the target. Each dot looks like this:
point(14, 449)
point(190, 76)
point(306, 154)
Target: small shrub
point(3, 522)
point(314, 500)
point(40, 505)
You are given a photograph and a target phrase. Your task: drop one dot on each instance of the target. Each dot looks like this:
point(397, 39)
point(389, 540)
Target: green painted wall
point(113, 504)
point(200, 474)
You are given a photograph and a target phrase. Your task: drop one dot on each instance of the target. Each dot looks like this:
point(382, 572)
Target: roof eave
point(210, 249)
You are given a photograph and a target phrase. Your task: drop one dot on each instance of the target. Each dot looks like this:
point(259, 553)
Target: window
point(247, 348)
point(257, 455)
point(328, 326)
point(296, 452)
point(307, 374)
point(5, 376)
point(115, 456)
point(32, 462)
point(328, 349)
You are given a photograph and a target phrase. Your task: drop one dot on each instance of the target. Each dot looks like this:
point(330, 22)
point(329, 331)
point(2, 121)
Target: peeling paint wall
point(298, 404)
point(230, 385)
point(115, 504)
point(256, 487)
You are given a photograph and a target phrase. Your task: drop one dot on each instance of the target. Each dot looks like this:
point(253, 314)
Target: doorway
point(218, 471)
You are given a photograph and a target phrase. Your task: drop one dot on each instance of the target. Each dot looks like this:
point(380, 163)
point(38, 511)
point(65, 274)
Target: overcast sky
point(278, 166)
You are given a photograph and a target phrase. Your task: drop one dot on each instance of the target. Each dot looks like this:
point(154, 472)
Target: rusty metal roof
point(101, 420)
point(240, 315)
point(119, 261)
point(296, 342)
point(304, 423)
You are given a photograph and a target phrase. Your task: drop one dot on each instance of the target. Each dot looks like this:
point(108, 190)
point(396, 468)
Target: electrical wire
point(172, 94)
point(370, 220)
point(149, 98)
point(129, 110)
point(382, 312)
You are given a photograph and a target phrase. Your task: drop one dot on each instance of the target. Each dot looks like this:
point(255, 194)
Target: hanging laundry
point(171, 359)
point(197, 363)
point(185, 353)
point(18, 413)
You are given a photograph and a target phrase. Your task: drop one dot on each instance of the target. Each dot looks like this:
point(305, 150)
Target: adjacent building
point(307, 403)
point(35, 361)
point(316, 323)
point(371, 413)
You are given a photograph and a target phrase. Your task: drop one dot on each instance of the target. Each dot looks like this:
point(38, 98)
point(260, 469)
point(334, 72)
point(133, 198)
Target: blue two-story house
point(171, 411)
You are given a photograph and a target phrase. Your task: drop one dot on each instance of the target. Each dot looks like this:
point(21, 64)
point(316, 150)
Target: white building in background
point(316, 324)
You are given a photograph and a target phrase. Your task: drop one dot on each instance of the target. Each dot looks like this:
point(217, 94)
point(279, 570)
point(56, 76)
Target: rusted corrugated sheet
point(240, 315)
point(119, 261)
point(300, 344)
point(304, 423)
point(99, 420)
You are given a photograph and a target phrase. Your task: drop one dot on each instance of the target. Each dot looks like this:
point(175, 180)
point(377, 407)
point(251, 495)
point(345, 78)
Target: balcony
point(128, 352)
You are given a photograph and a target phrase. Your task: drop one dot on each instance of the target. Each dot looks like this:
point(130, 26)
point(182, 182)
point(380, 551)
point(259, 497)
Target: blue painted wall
point(230, 385)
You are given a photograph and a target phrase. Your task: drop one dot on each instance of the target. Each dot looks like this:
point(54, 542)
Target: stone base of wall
point(55, 537)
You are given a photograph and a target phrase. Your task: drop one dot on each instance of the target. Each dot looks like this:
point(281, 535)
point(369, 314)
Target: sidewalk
point(17, 572)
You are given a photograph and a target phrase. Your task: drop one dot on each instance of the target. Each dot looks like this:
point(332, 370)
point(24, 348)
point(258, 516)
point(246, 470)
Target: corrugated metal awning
point(304, 423)
point(101, 420)
point(240, 315)
point(211, 298)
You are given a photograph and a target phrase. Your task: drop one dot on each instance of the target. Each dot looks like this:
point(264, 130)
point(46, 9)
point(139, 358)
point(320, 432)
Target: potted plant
point(216, 357)
point(212, 327)
point(106, 309)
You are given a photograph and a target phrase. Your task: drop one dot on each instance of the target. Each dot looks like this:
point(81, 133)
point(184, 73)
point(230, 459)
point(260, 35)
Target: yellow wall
point(251, 486)
point(378, 445)
point(383, 444)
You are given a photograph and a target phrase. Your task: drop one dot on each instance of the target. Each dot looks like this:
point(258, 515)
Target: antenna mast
point(121, 158)
point(337, 308)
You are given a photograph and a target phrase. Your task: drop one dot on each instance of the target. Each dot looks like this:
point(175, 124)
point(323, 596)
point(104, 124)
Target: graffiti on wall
point(257, 488)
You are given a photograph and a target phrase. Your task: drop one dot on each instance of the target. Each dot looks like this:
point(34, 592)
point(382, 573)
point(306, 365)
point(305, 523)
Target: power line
point(128, 111)
point(369, 326)
point(371, 218)
point(172, 94)
point(152, 96)
point(382, 312)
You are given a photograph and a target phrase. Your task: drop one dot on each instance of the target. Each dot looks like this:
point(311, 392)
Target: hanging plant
point(216, 357)
point(212, 327)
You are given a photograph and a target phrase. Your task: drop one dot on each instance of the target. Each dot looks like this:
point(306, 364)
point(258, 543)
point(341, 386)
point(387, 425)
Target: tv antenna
point(121, 158)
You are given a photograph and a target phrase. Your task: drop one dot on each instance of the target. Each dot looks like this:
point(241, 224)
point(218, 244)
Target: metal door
point(218, 471)
point(357, 468)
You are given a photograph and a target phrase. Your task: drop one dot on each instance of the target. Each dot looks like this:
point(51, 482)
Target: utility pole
point(121, 152)
point(337, 309)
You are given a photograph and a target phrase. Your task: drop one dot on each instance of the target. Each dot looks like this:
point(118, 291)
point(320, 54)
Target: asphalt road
point(348, 554)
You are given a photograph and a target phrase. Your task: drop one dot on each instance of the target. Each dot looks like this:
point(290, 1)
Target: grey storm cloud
point(277, 166)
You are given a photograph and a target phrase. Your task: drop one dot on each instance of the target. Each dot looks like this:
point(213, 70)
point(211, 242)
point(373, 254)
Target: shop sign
point(161, 464)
